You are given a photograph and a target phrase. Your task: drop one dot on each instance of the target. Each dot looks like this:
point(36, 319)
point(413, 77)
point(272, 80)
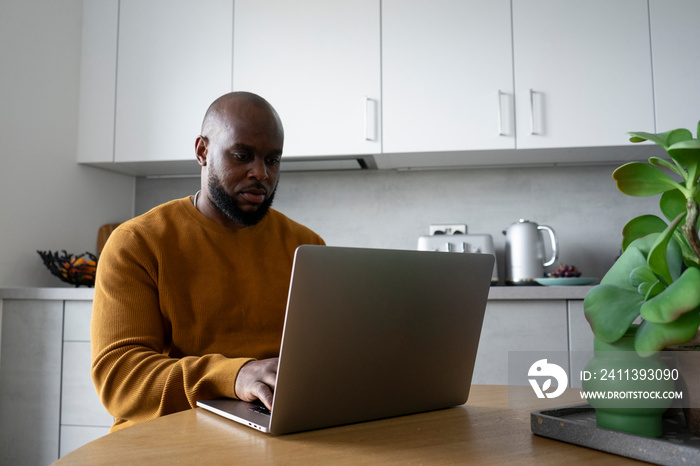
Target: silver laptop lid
point(375, 333)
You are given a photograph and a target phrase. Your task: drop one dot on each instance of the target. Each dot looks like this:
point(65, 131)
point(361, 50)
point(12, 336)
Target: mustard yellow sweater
point(181, 303)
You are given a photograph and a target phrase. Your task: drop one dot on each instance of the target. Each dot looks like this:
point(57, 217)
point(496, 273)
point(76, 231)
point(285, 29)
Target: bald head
point(235, 106)
point(239, 150)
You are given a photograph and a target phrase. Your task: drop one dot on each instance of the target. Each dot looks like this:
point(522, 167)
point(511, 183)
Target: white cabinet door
point(83, 418)
point(98, 77)
point(174, 59)
point(582, 72)
point(30, 381)
point(675, 41)
point(447, 75)
point(318, 63)
point(522, 326)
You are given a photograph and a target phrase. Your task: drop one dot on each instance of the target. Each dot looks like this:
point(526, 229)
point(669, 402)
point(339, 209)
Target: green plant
point(657, 276)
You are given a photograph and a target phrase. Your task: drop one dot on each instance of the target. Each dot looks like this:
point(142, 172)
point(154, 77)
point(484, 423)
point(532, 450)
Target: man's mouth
point(254, 195)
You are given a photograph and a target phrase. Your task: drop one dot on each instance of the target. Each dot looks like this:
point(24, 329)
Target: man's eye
point(241, 156)
point(272, 161)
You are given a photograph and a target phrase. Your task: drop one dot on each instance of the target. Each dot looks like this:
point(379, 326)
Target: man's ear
point(200, 150)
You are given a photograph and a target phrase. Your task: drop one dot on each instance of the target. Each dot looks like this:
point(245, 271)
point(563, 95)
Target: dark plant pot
point(692, 420)
point(686, 359)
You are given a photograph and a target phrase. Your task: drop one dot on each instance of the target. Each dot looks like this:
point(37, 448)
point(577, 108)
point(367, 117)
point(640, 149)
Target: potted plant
point(650, 298)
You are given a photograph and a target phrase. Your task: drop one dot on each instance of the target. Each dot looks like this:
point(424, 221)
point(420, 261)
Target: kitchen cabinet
point(463, 86)
point(318, 63)
point(582, 72)
point(30, 381)
point(518, 326)
point(83, 418)
point(524, 325)
point(48, 403)
point(98, 80)
point(396, 83)
point(174, 59)
point(675, 39)
point(447, 75)
point(149, 71)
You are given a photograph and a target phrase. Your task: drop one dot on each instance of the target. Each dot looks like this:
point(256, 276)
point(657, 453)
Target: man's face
point(242, 157)
point(229, 205)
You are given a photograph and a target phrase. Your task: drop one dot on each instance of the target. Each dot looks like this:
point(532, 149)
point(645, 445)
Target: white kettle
point(525, 260)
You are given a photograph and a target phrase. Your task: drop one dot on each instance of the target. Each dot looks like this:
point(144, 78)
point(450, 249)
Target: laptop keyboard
point(260, 410)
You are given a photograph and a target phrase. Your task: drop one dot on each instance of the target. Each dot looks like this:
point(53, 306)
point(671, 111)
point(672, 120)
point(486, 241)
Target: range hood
point(297, 164)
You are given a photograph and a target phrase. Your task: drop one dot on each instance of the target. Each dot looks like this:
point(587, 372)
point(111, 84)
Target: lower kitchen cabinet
point(519, 325)
point(555, 325)
point(48, 404)
point(30, 381)
point(83, 418)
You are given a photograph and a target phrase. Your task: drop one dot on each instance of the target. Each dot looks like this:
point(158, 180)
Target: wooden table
point(484, 430)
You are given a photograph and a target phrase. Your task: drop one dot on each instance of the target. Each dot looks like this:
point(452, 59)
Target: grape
point(566, 271)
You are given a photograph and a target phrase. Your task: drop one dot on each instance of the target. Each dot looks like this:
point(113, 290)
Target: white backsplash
point(391, 209)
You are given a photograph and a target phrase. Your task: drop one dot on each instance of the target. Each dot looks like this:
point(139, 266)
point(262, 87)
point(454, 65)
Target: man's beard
point(228, 206)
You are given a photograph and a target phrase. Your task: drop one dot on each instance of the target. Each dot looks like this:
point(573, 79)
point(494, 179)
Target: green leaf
point(657, 257)
point(646, 281)
point(652, 337)
point(664, 140)
point(641, 180)
point(645, 243)
point(653, 137)
point(674, 257)
point(680, 297)
point(642, 275)
point(654, 290)
point(685, 144)
point(610, 310)
point(687, 154)
point(677, 135)
point(672, 204)
point(637, 139)
point(619, 273)
point(641, 226)
point(659, 162)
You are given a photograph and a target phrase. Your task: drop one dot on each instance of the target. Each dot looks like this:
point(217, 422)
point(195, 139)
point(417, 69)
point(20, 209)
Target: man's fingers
point(257, 380)
point(264, 393)
point(269, 378)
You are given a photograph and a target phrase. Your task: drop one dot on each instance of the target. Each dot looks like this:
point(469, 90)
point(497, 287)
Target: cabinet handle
point(500, 113)
point(532, 113)
point(370, 120)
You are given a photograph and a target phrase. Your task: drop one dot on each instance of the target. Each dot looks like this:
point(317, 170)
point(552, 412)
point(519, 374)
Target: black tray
point(576, 424)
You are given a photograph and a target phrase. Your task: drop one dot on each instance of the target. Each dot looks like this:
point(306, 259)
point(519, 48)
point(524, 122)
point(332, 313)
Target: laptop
point(372, 334)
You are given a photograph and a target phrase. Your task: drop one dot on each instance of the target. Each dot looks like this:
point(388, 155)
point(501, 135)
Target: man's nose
point(258, 169)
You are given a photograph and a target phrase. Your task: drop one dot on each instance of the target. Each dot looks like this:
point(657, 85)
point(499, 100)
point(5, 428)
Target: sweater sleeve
point(135, 378)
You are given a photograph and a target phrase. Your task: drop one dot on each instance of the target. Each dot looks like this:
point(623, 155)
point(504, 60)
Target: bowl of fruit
point(76, 270)
point(565, 275)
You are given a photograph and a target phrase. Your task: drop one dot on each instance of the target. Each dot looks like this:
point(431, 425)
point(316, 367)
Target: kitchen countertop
point(48, 293)
point(538, 292)
point(495, 293)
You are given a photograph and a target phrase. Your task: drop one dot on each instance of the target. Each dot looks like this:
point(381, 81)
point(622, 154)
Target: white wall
point(47, 200)
point(392, 209)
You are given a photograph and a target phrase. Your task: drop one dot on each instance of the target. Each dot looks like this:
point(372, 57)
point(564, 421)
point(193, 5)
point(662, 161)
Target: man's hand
point(256, 381)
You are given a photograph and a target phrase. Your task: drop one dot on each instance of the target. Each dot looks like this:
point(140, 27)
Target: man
point(190, 297)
